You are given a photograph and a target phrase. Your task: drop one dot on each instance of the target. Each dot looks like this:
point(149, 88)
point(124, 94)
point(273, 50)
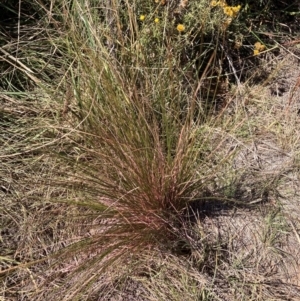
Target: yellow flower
point(262, 48)
point(259, 46)
point(231, 11)
point(236, 9)
point(214, 3)
point(142, 17)
point(228, 11)
point(156, 20)
point(180, 27)
point(255, 52)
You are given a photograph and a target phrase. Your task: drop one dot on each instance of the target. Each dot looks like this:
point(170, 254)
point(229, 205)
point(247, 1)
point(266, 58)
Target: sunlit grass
point(121, 150)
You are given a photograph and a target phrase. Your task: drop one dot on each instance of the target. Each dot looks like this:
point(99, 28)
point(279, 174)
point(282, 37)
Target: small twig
point(232, 67)
point(24, 68)
point(7, 98)
point(16, 60)
point(290, 52)
point(291, 42)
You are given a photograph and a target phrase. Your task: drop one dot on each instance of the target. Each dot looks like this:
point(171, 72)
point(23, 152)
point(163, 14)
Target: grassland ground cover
point(149, 150)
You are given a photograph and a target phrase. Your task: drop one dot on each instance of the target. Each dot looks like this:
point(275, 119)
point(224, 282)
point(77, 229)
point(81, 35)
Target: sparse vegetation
point(149, 150)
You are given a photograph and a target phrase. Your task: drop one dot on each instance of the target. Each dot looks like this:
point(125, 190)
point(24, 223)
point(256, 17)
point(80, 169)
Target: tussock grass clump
point(137, 149)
